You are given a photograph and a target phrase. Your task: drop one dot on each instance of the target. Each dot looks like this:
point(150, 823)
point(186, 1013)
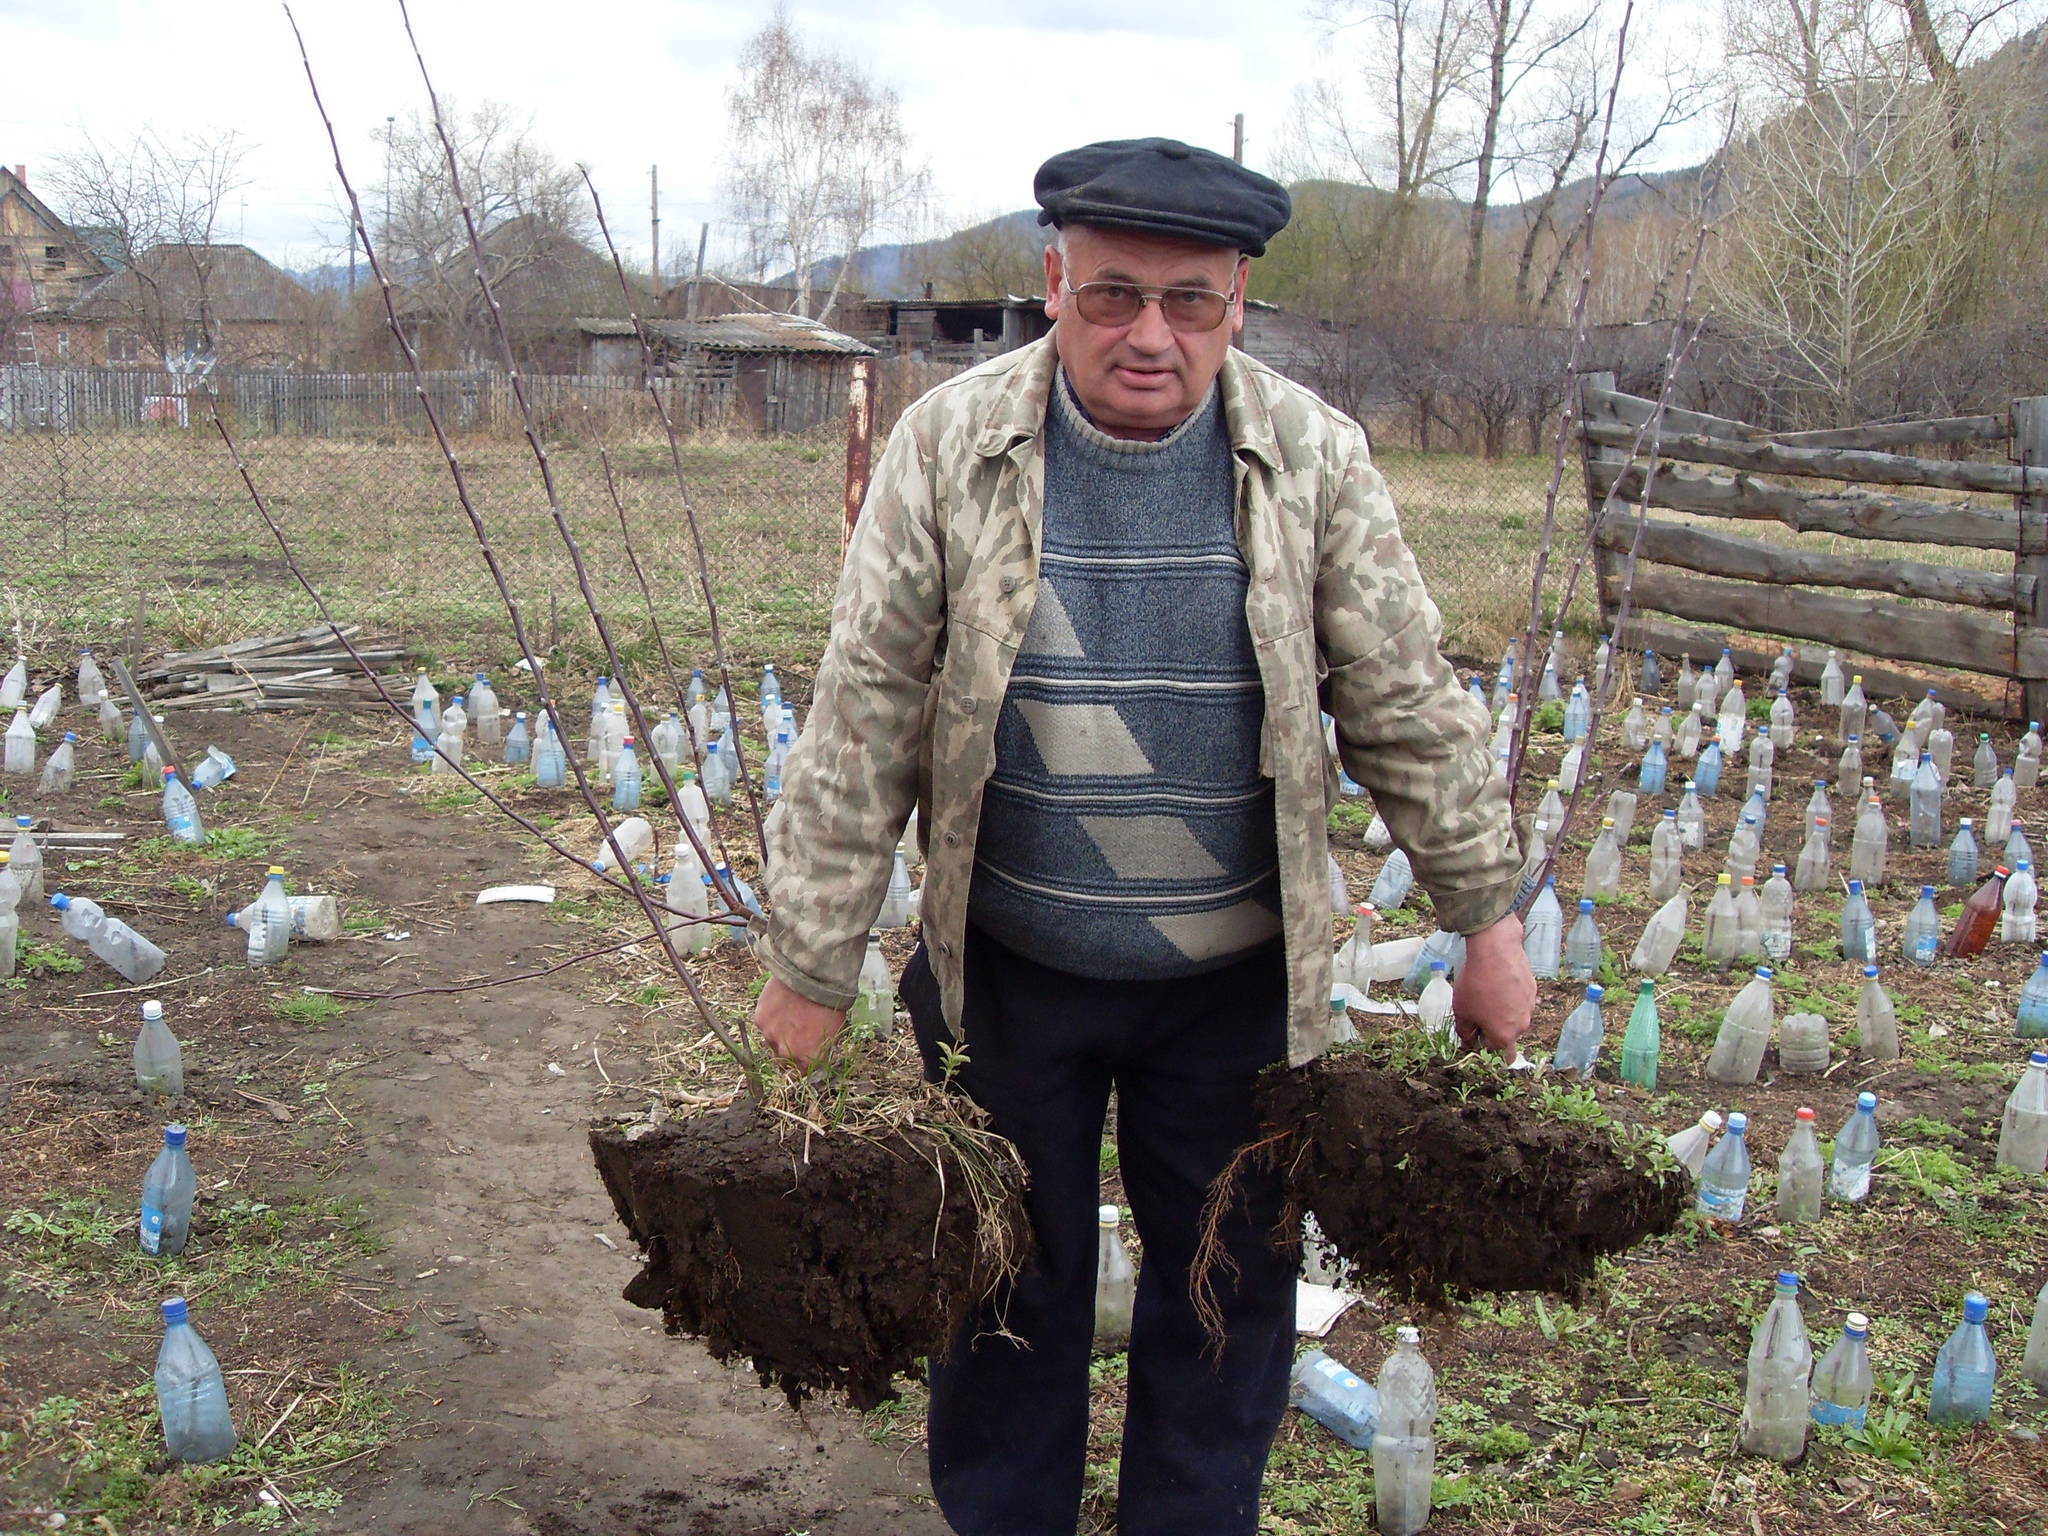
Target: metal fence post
point(2030, 449)
point(860, 438)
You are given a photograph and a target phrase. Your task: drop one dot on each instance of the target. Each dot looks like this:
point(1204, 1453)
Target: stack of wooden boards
point(307, 670)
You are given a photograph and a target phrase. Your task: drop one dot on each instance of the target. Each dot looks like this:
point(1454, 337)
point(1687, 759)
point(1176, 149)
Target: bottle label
point(1838, 1413)
point(1722, 1204)
point(152, 1233)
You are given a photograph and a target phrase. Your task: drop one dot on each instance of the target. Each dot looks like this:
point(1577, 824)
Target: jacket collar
point(1017, 414)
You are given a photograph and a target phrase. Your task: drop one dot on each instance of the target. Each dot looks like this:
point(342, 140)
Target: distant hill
point(964, 264)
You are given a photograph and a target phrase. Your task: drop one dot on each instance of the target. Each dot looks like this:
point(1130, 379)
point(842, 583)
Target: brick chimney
point(21, 174)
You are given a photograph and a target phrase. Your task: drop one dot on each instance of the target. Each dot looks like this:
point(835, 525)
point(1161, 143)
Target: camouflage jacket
point(938, 589)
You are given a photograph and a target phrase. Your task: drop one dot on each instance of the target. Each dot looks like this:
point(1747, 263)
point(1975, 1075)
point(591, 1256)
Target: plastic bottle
point(1782, 722)
point(1335, 1398)
point(181, 812)
point(1877, 1022)
point(1724, 1177)
point(1924, 818)
point(1603, 863)
point(270, 935)
point(1905, 764)
point(1578, 1042)
point(1692, 818)
point(1959, 1392)
point(2035, 1366)
point(1842, 1381)
point(895, 911)
point(718, 775)
point(736, 924)
point(2021, 897)
point(1642, 1042)
point(1962, 855)
point(518, 742)
point(1582, 945)
point(633, 836)
point(874, 1003)
point(1578, 712)
point(426, 729)
point(1855, 1150)
point(1831, 683)
point(1920, 937)
point(695, 808)
point(1666, 858)
point(550, 762)
point(191, 1399)
point(1720, 931)
point(1686, 676)
point(1749, 921)
point(1998, 812)
point(447, 746)
point(1745, 1032)
point(1867, 847)
point(2026, 762)
point(626, 777)
point(1116, 1283)
point(2016, 848)
point(25, 857)
point(1778, 1393)
point(1762, 755)
point(1391, 886)
point(10, 920)
point(112, 940)
point(1706, 774)
point(1859, 929)
point(20, 747)
point(1635, 727)
point(1353, 966)
point(1655, 769)
point(1661, 938)
point(1404, 1447)
point(1981, 914)
point(92, 686)
point(1690, 729)
point(213, 770)
point(1433, 1008)
point(1800, 1173)
point(2023, 1132)
point(1941, 749)
point(670, 742)
point(167, 1192)
point(424, 692)
point(1689, 1146)
point(778, 764)
point(1542, 932)
point(1803, 1045)
point(1744, 845)
point(2031, 1022)
point(1853, 709)
point(1340, 893)
point(111, 727)
point(1568, 767)
point(138, 738)
point(45, 708)
point(1776, 902)
point(61, 770)
point(1621, 810)
point(1440, 945)
point(483, 704)
point(1984, 766)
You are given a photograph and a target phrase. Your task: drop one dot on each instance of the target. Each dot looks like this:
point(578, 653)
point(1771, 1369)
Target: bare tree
point(1400, 132)
point(155, 207)
point(990, 258)
point(817, 158)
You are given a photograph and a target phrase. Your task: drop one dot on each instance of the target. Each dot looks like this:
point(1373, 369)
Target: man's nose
point(1150, 332)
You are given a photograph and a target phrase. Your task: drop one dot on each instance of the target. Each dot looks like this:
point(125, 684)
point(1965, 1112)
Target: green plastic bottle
point(1640, 1045)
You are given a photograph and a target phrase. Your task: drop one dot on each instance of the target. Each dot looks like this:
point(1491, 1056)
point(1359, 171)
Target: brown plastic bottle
point(1980, 916)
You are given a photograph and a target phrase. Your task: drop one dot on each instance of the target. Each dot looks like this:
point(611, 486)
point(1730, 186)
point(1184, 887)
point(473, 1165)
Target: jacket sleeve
point(1405, 729)
point(851, 781)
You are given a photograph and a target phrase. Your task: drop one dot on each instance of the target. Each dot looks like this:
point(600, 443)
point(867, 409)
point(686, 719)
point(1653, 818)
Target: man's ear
point(1055, 272)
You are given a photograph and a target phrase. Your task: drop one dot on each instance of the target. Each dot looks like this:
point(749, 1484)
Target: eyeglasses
point(1119, 304)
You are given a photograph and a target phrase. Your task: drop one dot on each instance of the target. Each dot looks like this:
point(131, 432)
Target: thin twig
point(480, 986)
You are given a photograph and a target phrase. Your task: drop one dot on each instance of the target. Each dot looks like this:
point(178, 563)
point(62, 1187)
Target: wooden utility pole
point(696, 282)
point(1237, 138)
point(654, 224)
point(860, 439)
point(2030, 449)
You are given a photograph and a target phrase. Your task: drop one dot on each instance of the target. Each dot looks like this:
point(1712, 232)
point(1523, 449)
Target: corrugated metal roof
point(739, 333)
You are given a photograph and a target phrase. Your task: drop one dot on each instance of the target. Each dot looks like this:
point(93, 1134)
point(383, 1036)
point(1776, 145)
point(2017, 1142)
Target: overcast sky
point(988, 90)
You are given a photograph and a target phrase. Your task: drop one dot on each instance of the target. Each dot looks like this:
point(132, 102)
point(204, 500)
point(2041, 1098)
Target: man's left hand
point(1495, 993)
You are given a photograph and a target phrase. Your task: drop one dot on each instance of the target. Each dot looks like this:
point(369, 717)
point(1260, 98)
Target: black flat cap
point(1162, 187)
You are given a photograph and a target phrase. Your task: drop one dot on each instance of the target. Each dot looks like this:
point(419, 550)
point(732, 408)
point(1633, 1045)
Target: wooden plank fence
point(1923, 612)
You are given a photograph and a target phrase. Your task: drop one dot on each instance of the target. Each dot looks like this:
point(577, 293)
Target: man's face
point(1142, 379)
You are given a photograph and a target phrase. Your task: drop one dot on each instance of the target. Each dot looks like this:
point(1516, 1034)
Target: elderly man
point(1097, 592)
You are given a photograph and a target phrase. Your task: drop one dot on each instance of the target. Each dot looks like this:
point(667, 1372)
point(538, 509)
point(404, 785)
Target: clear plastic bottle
point(1854, 711)
point(1335, 1398)
point(718, 777)
point(1941, 748)
point(483, 703)
point(895, 911)
point(425, 693)
point(1811, 873)
point(138, 739)
point(1859, 929)
point(2017, 847)
point(1635, 727)
point(191, 1398)
point(2031, 1021)
point(1391, 885)
point(447, 746)
point(1720, 931)
point(1924, 817)
point(1803, 1045)
point(1855, 1150)
point(1667, 851)
point(45, 708)
point(1582, 945)
point(25, 856)
point(1692, 818)
point(1962, 856)
point(1842, 1381)
point(1980, 919)
point(92, 686)
point(1689, 1146)
point(213, 770)
point(1984, 766)
point(2026, 762)
point(168, 1189)
point(10, 920)
point(20, 747)
point(1849, 767)
point(2021, 897)
point(270, 936)
point(1433, 1008)
point(633, 836)
point(455, 719)
point(1724, 1177)
point(1777, 901)
point(2035, 1366)
point(626, 777)
point(1643, 1041)
point(1690, 728)
point(1749, 921)
point(181, 812)
point(1744, 846)
point(2023, 1132)
point(518, 741)
point(1905, 764)
point(1877, 1022)
point(775, 767)
point(1801, 1173)
point(426, 730)
point(694, 805)
point(550, 762)
point(1706, 774)
point(1661, 937)
point(670, 742)
point(1404, 1447)
point(1782, 722)
point(1603, 864)
point(1568, 767)
point(1999, 810)
point(1578, 711)
point(111, 728)
point(1621, 810)
point(1959, 1392)
point(1762, 756)
point(61, 769)
point(1340, 893)
point(1867, 847)
point(1920, 937)
point(1655, 769)
point(1353, 966)
point(1745, 1032)
point(1578, 1042)
point(112, 940)
point(1778, 1392)
point(1116, 1283)
point(1542, 933)
point(315, 918)
point(874, 1002)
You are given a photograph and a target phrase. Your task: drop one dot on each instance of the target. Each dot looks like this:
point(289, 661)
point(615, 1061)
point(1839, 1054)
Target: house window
point(122, 349)
point(23, 347)
point(53, 257)
point(63, 343)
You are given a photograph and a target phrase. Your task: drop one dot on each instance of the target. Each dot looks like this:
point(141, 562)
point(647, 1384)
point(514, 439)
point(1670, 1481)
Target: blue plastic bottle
point(425, 727)
point(1335, 1398)
point(167, 1191)
point(1656, 767)
point(518, 744)
point(1706, 774)
point(1964, 1370)
point(1859, 931)
point(2033, 1018)
point(191, 1398)
point(626, 778)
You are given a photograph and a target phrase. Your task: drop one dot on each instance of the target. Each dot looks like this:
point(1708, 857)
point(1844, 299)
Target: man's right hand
point(795, 1028)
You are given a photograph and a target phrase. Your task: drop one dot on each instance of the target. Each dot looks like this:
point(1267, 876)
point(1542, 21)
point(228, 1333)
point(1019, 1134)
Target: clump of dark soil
point(834, 1261)
point(1447, 1174)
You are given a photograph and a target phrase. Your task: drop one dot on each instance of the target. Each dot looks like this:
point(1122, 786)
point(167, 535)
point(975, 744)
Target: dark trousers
point(1008, 1423)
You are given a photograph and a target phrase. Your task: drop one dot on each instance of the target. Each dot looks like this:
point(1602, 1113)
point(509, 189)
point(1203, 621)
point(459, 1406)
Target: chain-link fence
point(118, 489)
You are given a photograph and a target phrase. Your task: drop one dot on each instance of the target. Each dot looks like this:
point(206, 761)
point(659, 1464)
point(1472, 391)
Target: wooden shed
point(759, 372)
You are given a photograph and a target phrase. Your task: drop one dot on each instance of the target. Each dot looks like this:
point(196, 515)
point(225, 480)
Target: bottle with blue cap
point(168, 1189)
point(550, 759)
point(1842, 1381)
point(25, 858)
point(1745, 1032)
point(2032, 1023)
point(1855, 1150)
point(1778, 1394)
point(112, 940)
point(518, 740)
point(1578, 1042)
point(1582, 945)
point(181, 812)
point(483, 703)
point(1706, 774)
point(1724, 1178)
point(1656, 767)
point(1433, 1008)
point(191, 1397)
point(60, 770)
point(2023, 1132)
point(1921, 936)
point(1334, 1397)
point(1440, 945)
point(1964, 1370)
point(1859, 928)
point(1652, 675)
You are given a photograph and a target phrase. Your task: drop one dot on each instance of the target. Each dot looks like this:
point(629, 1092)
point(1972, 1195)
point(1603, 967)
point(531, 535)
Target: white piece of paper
point(1317, 1307)
point(498, 893)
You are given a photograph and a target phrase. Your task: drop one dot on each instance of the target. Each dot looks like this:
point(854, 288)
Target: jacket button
point(1008, 584)
point(968, 704)
point(952, 839)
